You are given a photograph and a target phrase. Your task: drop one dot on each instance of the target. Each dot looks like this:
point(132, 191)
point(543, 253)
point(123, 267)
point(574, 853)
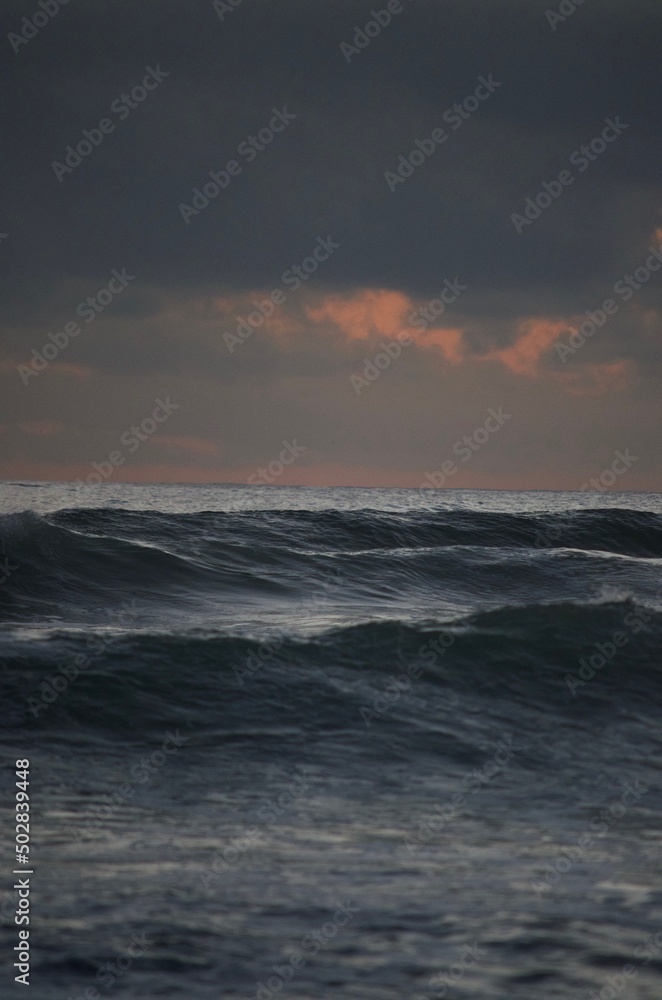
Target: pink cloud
point(379, 312)
point(594, 380)
point(536, 337)
point(370, 312)
point(450, 340)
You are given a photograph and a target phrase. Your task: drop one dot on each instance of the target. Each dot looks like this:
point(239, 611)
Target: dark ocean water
point(320, 743)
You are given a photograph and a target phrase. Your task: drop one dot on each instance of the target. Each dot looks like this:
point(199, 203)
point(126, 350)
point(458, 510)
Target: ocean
point(323, 743)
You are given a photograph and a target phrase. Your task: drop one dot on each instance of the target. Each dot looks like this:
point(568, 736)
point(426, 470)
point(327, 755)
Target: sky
point(411, 243)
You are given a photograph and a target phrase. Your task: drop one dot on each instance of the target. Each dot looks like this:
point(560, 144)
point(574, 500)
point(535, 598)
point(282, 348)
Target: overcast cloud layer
point(332, 182)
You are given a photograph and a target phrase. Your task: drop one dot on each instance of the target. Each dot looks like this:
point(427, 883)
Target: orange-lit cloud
point(369, 312)
point(536, 336)
point(449, 339)
point(379, 312)
point(224, 313)
point(594, 380)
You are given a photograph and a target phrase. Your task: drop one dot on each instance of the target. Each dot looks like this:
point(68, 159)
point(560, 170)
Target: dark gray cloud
point(325, 172)
point(323, 175)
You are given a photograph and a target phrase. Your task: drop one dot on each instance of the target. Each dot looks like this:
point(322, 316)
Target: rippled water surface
point(324, 743)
